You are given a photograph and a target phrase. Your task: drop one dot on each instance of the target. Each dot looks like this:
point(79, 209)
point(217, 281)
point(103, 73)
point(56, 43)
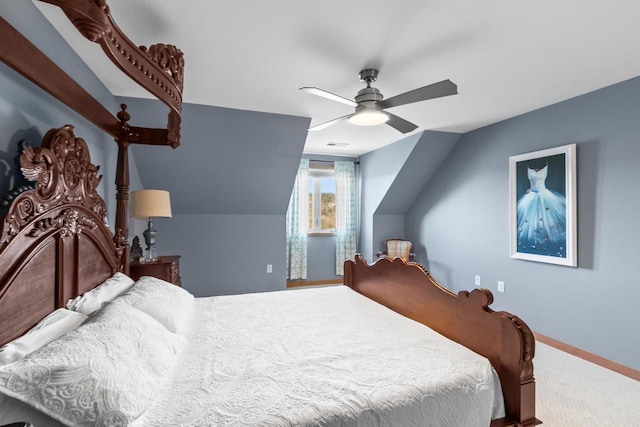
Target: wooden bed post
point(121, 237)
point(158, 68)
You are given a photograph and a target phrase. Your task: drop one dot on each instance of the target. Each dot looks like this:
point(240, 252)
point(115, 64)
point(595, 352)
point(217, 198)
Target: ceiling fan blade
point(436, 90)
point(329, 123)
point(400, 124)
point(328, 95)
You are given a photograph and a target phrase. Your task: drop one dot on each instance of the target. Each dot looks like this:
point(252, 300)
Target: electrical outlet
point(269, 268)
point(500, 286)
point(477, 280)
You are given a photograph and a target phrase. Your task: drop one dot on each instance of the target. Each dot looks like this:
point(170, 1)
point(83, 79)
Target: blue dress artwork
point(542, 228)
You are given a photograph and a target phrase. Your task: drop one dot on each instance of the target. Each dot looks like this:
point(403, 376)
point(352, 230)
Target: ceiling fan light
point(369, 117)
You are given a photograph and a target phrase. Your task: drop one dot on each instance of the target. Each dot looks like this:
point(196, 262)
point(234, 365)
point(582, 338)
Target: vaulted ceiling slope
point(507, 57)
point(230, 161)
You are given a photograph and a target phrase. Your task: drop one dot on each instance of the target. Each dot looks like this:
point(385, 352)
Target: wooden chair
point(398, 248)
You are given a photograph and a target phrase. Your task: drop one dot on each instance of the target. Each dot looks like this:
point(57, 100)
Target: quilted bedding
point(320, 357)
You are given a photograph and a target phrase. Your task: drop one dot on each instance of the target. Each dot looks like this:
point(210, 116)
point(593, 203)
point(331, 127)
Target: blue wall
point(230, 182)
point(378, 170)
point(226, 254)
point(391, 178)
point(461, 220)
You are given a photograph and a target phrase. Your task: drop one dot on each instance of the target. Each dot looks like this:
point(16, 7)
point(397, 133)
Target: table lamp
point(149, 204)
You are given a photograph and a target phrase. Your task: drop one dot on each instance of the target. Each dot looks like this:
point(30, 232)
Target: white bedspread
point(321, 357)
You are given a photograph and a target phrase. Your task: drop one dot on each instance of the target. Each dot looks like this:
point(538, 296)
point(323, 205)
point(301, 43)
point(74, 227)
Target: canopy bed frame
point(159, 69)
point(54, 244)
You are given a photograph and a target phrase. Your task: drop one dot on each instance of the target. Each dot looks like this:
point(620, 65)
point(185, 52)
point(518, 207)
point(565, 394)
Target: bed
point(359, 354)
point(370, 352)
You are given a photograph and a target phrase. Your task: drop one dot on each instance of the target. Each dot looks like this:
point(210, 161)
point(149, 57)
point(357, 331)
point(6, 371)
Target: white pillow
point(106, 372)
point(167, 303)
point(51, 327)
point(92, 300)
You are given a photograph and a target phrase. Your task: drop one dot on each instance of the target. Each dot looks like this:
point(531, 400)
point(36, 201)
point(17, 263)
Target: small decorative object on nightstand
point(164, 267)
point(136, 249)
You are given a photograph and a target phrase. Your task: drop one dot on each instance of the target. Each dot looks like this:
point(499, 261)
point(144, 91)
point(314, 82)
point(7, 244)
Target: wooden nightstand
point(165, 268)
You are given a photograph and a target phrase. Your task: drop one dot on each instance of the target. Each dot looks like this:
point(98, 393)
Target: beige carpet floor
point(571, 392)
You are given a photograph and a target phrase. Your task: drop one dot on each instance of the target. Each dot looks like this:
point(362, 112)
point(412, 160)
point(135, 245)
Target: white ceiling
point(507, 57)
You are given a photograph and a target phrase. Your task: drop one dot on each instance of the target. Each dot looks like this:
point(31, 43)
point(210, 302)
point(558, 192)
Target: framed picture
point(542, 204)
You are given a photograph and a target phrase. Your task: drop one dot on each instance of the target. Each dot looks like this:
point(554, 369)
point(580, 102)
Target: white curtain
point(346, 214)
point(297, 217)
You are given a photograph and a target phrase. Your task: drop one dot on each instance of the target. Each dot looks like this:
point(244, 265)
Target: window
point(325, 207)
point(322, 199)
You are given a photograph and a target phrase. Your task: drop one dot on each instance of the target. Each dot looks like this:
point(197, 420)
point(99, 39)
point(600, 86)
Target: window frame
point(316, 174)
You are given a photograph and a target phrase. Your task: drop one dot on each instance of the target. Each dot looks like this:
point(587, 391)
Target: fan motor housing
point(368, 94)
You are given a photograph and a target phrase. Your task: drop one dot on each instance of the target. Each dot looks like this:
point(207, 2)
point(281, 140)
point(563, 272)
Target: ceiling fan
point(370, 104)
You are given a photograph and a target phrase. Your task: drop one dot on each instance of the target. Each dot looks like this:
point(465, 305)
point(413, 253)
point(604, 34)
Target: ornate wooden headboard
point(55, 243)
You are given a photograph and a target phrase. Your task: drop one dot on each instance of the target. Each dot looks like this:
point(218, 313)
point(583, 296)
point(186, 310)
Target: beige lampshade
point(150, 203)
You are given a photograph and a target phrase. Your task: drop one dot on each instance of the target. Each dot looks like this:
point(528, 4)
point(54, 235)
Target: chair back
point(399, 248)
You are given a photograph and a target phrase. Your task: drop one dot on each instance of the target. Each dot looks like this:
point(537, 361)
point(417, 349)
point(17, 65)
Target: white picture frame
point(542, 206)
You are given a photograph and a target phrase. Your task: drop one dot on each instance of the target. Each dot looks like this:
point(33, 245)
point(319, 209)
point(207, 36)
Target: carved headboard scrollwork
point(63, 174)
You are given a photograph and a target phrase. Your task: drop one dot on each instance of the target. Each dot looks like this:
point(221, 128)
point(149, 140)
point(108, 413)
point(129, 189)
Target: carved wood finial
point(123, 115)
point(125, 130)
point(169, 58)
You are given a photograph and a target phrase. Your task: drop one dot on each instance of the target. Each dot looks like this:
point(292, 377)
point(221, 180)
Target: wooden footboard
point(466, 318)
